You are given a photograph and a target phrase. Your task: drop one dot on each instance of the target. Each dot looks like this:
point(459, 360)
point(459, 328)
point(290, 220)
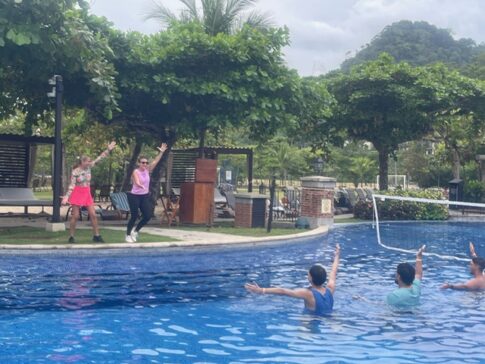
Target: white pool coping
point(203, 239)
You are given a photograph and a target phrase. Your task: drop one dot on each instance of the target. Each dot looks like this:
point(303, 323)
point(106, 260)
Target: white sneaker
point(129, 239)
point(134, 236)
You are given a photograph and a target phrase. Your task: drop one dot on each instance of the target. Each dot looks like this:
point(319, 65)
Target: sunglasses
point(145, 162)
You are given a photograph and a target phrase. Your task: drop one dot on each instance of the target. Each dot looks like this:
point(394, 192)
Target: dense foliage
point(404, 210)
point(418, 43)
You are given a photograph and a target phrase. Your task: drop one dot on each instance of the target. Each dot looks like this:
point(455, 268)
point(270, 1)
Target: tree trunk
point(202, 143)
point(132, 164)
point(32, 163)
point(456, 164)
point(383, 169)
point(159, 170)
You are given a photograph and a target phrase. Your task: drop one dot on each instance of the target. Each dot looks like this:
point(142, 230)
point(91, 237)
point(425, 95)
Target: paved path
point(185, 238)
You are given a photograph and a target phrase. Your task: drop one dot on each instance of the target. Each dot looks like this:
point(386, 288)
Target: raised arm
point(471, 284)
point(332, 279)
point(295, 293)
point(419, 263)
point(162, 148)
point(473, 253)
point(105, 153)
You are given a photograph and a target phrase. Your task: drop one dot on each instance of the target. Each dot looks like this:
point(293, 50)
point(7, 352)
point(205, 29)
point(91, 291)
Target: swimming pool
point(190, 307)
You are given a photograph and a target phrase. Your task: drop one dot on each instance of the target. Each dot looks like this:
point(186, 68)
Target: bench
point(19, 196)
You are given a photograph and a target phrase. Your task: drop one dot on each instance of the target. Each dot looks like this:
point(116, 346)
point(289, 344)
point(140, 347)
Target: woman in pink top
point(79, 193)
point(139, 197)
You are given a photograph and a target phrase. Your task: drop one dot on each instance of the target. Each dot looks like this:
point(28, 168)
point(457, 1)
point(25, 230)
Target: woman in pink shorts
point(79, 193)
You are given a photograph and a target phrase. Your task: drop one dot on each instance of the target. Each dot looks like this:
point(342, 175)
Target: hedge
point(404, 210)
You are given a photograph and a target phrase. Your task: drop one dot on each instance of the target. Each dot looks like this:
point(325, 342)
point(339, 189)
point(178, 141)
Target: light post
point(318, 165)
point(57, 92)
point(272, 190)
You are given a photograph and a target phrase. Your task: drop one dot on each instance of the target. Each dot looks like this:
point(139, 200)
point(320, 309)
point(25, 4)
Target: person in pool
point(408, 279)
point(318, 297)
point(477, 268)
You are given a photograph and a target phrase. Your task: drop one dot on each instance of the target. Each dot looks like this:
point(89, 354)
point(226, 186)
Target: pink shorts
point(81, 196)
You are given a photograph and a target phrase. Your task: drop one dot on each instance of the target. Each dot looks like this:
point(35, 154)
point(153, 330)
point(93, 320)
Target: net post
point(376, 218)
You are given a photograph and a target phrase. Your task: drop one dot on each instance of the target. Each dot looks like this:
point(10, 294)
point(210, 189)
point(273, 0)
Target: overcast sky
point(325, 32)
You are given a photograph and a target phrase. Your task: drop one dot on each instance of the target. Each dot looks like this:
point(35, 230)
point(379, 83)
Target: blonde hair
point(79, 161)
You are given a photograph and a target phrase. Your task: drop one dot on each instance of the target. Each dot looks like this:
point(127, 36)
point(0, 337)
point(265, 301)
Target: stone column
point(317, 201)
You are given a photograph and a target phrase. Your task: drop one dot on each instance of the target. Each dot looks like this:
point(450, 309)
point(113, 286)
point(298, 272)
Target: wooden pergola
point(15, 158)
point(182, 162)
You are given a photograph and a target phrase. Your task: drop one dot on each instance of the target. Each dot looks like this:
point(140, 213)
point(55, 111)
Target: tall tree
point(459, 117)
point(216, 16)
point(40, 38)
point(385, 103)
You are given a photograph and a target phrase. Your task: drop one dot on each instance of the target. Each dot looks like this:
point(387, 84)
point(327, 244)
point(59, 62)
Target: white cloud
point(324, 31)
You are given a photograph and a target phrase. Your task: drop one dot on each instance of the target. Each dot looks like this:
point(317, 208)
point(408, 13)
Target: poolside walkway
point(182, 238)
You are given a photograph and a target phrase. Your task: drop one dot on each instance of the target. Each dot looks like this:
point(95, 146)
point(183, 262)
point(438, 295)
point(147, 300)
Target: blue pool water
point(190, 306)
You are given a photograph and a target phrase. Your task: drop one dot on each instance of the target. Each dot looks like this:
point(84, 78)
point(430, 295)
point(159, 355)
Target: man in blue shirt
point(408, 279)
point(318, 297)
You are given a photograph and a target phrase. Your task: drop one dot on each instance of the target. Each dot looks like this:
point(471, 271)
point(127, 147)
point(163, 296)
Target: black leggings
point(142, 203)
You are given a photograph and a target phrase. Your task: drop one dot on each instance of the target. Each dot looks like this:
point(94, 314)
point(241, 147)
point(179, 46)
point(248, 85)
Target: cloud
point(324, 32)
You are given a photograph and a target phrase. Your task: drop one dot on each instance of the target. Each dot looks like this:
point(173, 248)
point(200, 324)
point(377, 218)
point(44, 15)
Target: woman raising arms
point(139, 197)
point(79, 193)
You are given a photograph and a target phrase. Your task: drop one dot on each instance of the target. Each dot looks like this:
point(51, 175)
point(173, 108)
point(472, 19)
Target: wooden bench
point(19, 196)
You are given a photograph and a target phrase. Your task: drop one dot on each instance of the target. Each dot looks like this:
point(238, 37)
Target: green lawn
point(43, 195)
point(230, 230)
point(29, 235)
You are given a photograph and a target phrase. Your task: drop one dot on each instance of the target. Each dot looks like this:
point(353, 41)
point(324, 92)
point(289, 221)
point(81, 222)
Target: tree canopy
point(40, 38)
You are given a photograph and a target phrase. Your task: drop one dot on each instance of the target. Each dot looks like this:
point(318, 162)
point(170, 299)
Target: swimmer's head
point(405, 274)
point(477, 265)
point(317, 275)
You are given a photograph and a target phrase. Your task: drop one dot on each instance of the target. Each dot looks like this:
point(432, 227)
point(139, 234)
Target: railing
point(287, 204)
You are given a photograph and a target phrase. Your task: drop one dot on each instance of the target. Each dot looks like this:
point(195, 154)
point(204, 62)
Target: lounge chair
point(119, 207)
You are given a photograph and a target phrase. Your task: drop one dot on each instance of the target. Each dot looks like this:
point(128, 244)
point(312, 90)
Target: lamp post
point(272, 190)
point(318, 165)
point(57, 91)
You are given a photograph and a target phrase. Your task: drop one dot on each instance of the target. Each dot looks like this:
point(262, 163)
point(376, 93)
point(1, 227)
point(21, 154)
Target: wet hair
point(480, 262)
point(318, 274)
point(407, 273)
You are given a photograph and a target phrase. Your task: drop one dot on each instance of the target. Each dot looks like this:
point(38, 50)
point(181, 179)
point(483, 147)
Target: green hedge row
point(404, 210)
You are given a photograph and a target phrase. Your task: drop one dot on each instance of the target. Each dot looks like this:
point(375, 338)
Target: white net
point(446, 227)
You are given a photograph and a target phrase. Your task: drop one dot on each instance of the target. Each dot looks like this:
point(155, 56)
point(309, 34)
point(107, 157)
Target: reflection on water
point(191, 307)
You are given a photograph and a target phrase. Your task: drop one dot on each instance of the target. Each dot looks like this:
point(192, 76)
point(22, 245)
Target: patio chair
point(352, 197)
point(119, 207)
point(104, 193)
point(368, 193)
point(171, 207)
point(361, 194)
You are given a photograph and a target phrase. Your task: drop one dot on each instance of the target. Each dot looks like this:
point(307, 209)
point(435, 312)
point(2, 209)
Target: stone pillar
point(250, 210)
point(317, 200)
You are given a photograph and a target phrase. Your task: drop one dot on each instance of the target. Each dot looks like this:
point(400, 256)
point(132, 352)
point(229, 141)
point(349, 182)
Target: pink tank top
point(144, 178)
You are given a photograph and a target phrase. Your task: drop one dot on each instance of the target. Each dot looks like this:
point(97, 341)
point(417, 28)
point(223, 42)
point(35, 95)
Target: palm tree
point(217, 16)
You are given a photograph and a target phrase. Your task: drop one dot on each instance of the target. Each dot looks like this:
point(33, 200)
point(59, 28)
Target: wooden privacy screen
point(14, 164)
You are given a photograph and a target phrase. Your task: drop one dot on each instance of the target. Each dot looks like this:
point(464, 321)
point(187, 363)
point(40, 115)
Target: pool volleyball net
point(404, 224)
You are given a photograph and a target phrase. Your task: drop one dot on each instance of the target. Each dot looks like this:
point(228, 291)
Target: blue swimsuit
point(323, 302)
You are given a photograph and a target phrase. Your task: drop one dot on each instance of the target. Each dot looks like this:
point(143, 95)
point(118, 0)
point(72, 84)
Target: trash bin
point(250, 210)
point(455, 192)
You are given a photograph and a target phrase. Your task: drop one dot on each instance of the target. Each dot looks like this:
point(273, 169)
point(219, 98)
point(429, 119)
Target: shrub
point(404, 210)
point(474, 191)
